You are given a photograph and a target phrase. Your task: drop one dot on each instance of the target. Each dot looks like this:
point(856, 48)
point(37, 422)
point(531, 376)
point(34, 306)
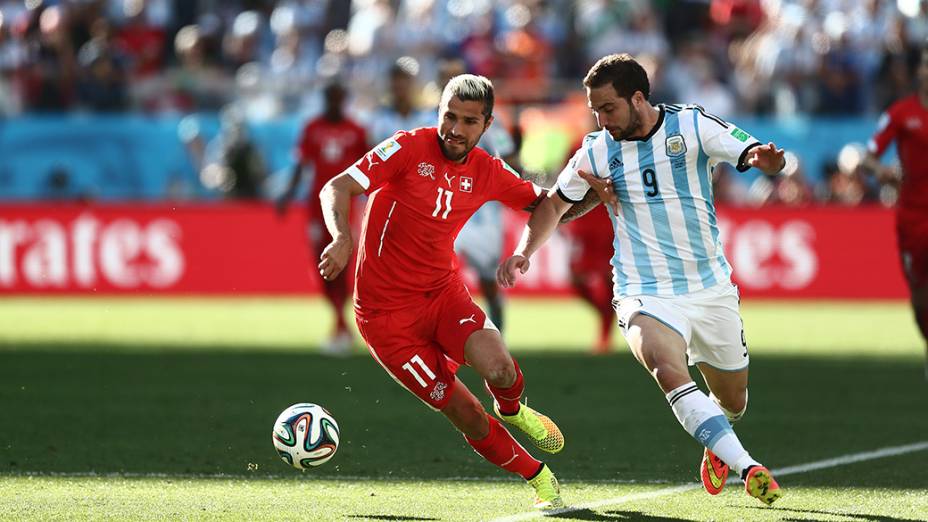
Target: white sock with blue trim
point(704, 420)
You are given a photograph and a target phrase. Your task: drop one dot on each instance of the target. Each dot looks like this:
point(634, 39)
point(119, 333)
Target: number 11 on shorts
point(418, 360)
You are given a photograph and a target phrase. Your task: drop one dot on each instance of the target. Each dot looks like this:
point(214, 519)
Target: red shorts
point(913, 250)
point(422, 347)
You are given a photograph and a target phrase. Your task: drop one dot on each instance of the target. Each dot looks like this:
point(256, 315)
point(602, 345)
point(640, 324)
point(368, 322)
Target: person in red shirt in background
point(330, 143)
point(411, 305)
point(591, 249)
point(906, 123)
point(590, 272)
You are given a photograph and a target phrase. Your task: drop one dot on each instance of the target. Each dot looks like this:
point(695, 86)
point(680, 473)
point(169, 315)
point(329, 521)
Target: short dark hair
point(470, 87)
point(622, 71)
point(334, 88)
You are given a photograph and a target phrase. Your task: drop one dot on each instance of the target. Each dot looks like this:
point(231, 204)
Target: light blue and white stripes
point(667, 236)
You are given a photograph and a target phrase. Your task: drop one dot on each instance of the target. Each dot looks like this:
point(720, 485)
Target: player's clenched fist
point(334, 258)
point(506, 273)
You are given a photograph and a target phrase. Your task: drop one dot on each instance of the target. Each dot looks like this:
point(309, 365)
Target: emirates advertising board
point(248, 249)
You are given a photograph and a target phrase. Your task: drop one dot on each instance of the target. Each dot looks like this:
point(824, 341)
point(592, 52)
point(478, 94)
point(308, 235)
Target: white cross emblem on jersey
point(466, 184)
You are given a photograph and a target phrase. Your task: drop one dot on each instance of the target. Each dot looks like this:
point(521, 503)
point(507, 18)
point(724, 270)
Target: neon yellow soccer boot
point(543, 432)
point(547, 490)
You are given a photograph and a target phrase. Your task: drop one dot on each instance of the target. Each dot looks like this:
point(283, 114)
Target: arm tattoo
point(588, 203)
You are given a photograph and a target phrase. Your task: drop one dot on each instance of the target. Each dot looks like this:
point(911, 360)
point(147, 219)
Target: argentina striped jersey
point(666, 234)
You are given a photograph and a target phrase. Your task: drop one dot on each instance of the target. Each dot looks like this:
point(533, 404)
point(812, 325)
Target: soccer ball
point(305, 435)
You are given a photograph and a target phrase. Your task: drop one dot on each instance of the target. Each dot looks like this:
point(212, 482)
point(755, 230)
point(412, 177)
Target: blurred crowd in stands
point(772, 58)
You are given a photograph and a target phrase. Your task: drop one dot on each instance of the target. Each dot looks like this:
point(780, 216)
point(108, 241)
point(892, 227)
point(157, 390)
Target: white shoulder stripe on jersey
point(359, 176)
point(712, 117)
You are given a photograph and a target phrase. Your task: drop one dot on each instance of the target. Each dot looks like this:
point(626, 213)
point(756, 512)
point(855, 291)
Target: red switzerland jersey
point(331, 146)
point(419, 200)
point(906, 123)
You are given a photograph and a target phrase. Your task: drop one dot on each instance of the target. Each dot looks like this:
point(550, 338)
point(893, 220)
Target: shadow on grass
point(388, 517)
point(87, 408)
point(852, 516)
point(589, 514)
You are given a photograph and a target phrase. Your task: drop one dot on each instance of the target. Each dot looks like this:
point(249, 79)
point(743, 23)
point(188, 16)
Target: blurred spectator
point(101, 86)
point(701, 83)
point(46, 78)
point(792, 189)
point(401, 110)
point(840, 85)
point(248, 40)
point(527, 58)
point(142, 43)
point(788, 188)
point(746, 56)
point(729, 186)
point(843, 187)
point(231, 163)
point(197, 84)
point(478, 48)
point(783, 58)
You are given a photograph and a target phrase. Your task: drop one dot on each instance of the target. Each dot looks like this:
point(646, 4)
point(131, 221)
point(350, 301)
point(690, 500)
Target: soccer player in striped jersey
point(674, 297)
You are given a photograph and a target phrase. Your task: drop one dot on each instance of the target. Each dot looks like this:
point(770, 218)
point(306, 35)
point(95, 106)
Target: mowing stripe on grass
point(843, 460)
point(297, 476)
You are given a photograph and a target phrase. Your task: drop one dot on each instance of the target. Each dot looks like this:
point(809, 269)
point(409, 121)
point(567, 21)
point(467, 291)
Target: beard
point(633, 127)
point(458, 153)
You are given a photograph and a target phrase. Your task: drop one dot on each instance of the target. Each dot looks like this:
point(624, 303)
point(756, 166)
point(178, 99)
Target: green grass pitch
point(161, 409)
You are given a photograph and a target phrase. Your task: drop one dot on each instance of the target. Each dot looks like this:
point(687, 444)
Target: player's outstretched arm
point(336, 205)
point(539, 228)
point(883, 173)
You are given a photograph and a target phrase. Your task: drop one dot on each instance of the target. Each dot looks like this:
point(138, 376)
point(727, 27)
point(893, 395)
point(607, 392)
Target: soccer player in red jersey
point(411, 304)
point(330, 143)
point(591, 250)
point(906, 123)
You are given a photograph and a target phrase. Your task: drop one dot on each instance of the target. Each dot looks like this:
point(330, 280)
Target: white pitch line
point(843, 460)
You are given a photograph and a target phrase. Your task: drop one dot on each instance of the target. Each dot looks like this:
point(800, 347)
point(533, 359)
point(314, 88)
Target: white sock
point(704, 420)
